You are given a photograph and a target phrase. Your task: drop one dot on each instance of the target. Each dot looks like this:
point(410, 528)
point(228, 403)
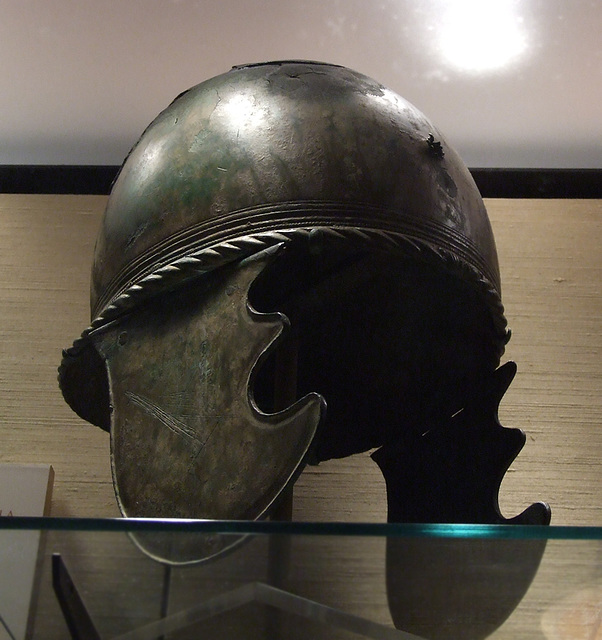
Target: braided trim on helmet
point(82, 376)
point(208, 259)
point(275, 217)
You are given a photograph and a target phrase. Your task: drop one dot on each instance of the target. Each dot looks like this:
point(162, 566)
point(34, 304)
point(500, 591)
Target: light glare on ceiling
point(479, 36)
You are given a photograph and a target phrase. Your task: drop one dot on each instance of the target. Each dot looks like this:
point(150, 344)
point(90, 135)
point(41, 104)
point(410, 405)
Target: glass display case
point(311, 580)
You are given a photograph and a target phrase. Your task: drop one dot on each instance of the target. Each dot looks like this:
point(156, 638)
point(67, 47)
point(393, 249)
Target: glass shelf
point(307, 580)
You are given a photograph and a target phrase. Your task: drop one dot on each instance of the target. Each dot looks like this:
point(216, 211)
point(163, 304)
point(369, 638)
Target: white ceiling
point(512, 83)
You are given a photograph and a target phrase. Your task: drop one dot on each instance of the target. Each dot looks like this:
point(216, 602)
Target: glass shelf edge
point(440, 530)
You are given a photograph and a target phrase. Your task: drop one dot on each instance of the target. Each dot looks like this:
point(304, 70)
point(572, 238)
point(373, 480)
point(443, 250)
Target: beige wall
point(551, 266)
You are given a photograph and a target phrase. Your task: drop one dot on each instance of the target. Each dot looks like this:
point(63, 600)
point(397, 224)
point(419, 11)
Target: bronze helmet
point(287, 194)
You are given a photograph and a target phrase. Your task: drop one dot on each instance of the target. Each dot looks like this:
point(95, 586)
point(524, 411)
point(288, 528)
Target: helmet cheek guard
point(283, 238)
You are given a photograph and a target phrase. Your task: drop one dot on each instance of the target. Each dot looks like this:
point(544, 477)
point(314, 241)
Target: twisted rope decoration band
point(208, 259)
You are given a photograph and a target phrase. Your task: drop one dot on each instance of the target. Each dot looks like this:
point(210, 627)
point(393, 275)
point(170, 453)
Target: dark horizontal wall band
point(57, 179)
point(539, 183)
point(493, 183)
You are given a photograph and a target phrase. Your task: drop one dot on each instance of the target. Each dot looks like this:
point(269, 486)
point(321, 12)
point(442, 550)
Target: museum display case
point(549, 252)
point(318, 580)
point(295, 335)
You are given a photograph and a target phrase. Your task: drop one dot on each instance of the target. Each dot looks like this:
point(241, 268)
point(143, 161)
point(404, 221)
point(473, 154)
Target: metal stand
point(81, 626)
point(79, 622)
